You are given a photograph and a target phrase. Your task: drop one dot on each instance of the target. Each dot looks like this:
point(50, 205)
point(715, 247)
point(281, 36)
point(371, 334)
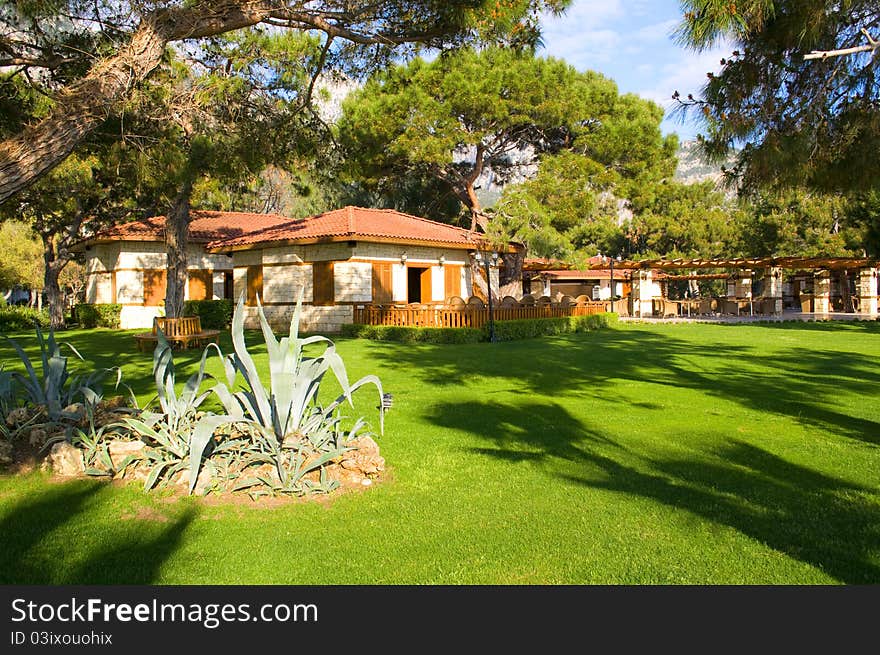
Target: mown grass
point(642, 454)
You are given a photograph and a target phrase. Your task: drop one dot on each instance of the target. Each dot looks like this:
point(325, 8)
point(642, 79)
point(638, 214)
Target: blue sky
point(630, 41)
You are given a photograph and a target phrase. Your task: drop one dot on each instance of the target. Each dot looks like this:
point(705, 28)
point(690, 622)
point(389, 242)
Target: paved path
point(785, 316)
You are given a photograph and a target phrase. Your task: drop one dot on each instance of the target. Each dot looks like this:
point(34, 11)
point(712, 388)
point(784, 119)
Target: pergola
point(740, 271)
point(799, 263)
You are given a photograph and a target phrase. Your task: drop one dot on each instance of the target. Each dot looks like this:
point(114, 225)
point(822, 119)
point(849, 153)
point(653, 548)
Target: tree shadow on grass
point(135, 555)
point(817, 519)
point(797, 382)
point(812, 517)
point(52, 540)
point(528, 431)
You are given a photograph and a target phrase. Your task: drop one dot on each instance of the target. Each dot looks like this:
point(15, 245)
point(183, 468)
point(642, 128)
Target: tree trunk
point(88, 102)
point(176, 243)
point(510, 276)
point(53, 265)
point(470, 194)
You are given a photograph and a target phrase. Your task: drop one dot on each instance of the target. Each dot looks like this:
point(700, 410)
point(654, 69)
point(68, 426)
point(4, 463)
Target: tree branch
point(873, 45)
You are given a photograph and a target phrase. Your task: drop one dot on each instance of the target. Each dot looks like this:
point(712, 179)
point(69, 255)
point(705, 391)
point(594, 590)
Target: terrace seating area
point(707, 307)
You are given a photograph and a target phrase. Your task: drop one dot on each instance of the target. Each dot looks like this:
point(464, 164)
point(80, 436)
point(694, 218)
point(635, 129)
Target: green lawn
point(641, 454)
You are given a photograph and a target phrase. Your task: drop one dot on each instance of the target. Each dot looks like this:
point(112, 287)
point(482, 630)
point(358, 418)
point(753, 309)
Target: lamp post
point(483, 258)
point(612, 260)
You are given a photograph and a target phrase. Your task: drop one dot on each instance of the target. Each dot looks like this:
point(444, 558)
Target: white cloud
point(687, 74)
point(661, 31)
point(631, 42)
point(585, 49)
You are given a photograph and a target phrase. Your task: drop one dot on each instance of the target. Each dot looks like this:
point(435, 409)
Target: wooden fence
point(467, 316)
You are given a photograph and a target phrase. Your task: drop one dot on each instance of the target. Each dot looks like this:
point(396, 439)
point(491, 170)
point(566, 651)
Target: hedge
point(413, 334)
point(213, 314)
point(539, 327)
point(103, 315)
point(504, 330)
point(15, 318)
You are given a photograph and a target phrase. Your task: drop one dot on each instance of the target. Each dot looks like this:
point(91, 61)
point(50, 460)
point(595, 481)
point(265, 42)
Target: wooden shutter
point(254, 284)
point(382, 283)
point(426, 285)
point(322, 283)
point(452, 281)
point(154, 287)
point(201, 285)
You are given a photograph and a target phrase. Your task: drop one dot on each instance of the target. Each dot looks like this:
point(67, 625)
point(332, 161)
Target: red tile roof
point(205, 226)
point(353, 223)
point(238, 230)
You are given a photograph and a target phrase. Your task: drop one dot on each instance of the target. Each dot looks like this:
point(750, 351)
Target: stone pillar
point(868, 292)
point(743, 285)
point(545, 280)
point(822, 292)
point(643, 293)
point(773, 289)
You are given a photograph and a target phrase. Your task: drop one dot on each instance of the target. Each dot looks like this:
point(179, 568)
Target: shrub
point(290, 429)
point(413, 334)
point(214, 314)
point(54, 388)
point(593, 322)
point(179, 434)
point(15, 318)
point(527, 328)
point(274, 420)
point(103, 315)
point(539, 327)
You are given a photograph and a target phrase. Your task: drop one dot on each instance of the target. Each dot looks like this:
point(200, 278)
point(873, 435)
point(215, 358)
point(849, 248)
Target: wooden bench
point(183, 332)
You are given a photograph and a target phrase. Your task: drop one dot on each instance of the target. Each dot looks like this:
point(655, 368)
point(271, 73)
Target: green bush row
point(14, 318)
point(504, 330)
point(103, 315)
point(213, 314)
point(413, 334)
point(539, 327)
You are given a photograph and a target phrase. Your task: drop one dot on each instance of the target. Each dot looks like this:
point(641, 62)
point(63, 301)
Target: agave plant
point(93, 441)
point(56, 388)
point(179, 433)
point(293, 432)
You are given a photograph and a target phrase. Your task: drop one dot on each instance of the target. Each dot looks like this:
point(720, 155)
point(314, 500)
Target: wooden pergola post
point(868, 292)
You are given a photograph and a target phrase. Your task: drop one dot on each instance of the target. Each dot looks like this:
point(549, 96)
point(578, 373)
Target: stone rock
point(365, 459)
point(37, 437)
point(75, 412)
point(345, 477)
point(204, 482)
point(65, 460)
point(180, 479)
point(120, 449)
point(5, 452)
point(139, 472)
point(16, 416)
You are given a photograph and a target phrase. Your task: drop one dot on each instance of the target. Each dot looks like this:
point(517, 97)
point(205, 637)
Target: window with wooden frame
point(229, 285)
point(201, 285)
point(322, 283)
point(382, 283)
point(154, 287)
point(254, 284)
